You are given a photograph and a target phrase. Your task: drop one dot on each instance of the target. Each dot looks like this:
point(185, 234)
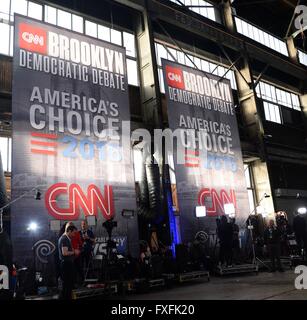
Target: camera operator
point(88, 239)
point(272, 237)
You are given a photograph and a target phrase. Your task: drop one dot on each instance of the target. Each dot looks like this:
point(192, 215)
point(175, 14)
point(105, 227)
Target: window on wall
point(169, 53)
point(261, 36)
point(274, 98)
point(7, 10)
point(201, 7)
point(6, 151)
point(67, 20)
point(250, 187)
point(272, 112)
point(121, 38)
point(302, 56)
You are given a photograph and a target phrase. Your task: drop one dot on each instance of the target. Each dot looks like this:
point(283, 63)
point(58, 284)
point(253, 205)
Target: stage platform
point(94, 290)
point(236, 269)
point(194, 275)
point(287, 263)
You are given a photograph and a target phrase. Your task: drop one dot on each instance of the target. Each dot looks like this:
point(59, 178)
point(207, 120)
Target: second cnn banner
point(211, 174)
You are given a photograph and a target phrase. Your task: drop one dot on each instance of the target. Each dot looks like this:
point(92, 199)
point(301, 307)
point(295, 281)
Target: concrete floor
point(263, 286)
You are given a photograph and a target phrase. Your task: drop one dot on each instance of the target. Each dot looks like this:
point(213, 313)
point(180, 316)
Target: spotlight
point(229, 209)
point(32, 226)
point(201, 211)
point(302, 210)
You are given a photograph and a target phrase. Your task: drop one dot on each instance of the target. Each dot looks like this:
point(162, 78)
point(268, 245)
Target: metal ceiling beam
point(210, 30)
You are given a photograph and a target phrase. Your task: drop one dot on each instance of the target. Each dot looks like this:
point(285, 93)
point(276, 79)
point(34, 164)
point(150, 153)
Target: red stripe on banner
point(44, 135)
point(43, 143)
point(191, 159)
point(195, 153)
point(49, 152)
point(193, 165)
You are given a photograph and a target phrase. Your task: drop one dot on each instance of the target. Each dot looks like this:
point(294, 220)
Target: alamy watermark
point(300, 281)
point(300, 22)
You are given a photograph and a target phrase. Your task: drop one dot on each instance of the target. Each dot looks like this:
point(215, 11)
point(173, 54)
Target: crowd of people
point(271, 239)
point(75, 249)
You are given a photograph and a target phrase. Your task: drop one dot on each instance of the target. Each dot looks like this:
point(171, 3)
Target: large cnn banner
point(70, 97)
point(211, 174)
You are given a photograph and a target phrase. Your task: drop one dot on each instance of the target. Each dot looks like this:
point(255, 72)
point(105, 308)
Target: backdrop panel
point(212, 173)
point(70, 96)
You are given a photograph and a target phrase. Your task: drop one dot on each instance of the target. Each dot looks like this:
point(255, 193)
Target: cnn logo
point(174, 77)
point(4, 277)
point(32, 38)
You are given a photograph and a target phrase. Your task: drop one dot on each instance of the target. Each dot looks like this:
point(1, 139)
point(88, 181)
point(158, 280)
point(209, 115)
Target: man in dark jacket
point(225, 234)
point(272, 239)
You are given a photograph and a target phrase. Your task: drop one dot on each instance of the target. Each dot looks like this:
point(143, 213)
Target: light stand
point(128, 214)
point(37, 197)
point(32, 225)
point(301, 211)
point(251, 227)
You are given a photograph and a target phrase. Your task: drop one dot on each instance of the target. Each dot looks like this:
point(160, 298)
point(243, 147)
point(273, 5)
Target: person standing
point(66, 256)
point(225, 234)
point(76, 243)
point(235, 241)
point(299, 228)
point(272, 239)
point(88, 239)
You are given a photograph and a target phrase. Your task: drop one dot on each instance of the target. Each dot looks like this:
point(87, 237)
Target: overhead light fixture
point(201, 211)
point(267, 195)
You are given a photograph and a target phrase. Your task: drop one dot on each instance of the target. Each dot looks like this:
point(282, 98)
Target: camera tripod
point(255, 258)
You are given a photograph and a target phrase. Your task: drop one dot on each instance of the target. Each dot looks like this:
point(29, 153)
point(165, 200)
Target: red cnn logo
point(90, 202)
point(32, 39)
point(174, 77)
